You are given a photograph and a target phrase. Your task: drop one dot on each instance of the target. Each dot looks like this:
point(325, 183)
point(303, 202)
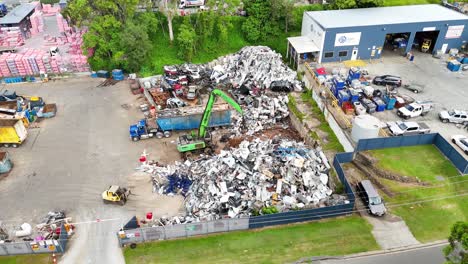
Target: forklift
point(201, 141)
point(115, 194)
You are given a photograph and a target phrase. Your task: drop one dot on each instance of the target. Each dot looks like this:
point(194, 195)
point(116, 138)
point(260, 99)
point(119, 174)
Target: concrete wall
point(373, 38)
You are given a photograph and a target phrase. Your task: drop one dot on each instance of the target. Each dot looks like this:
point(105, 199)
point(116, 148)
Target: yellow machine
point(12, 132)
point(115, 194)
point(426, 45)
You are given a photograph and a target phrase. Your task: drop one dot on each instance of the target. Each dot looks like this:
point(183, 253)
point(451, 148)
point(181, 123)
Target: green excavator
point(187, 144)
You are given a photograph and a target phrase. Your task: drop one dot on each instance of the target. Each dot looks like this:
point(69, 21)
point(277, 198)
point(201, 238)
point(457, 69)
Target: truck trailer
point(12, 132)
point(185, 118)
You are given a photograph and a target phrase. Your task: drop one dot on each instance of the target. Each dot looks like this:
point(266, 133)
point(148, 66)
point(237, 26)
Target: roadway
point(426, 255)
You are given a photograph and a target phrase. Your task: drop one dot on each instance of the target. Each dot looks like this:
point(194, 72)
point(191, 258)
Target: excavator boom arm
point(209, 106)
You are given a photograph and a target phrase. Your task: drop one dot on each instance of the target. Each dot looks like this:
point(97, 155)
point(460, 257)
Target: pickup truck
point(454, 116)
point(415, 109)
point(399, 128)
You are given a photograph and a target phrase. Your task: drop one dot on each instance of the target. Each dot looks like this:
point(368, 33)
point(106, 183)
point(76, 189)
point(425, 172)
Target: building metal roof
point(385, 16)
point(303, 45)
point(18, 13)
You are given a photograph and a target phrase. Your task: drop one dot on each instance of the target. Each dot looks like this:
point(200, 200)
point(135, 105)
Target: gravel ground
point(68, 161)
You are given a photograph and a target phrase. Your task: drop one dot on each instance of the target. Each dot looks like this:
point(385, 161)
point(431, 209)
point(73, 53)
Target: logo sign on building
point(454, 32)
point(347, 39)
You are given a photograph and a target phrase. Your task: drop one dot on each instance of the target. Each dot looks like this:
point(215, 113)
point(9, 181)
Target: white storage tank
point(365, 126)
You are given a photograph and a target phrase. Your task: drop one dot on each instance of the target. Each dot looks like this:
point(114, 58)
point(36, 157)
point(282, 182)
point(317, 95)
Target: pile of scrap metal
point(255, 67)
point(261, 112)
point(240, 182)
point(50, 228)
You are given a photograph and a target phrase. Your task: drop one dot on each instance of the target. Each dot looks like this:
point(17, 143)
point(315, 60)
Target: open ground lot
point(429, 210)
point(448, 90)
point(27, 259)
point(69, 160)
point(272, 245)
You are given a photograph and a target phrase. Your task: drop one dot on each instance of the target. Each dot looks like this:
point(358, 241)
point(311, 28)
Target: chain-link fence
point(36, 247)
point(146, 234)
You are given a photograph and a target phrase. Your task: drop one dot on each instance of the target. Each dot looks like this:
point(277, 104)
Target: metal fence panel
point(300, 216)
point(239, 223)
point(452, 154)
point(46, 246)
point(18, 248)
point(132, 236)
point(218, 226)
point(3, 252)
point(175, 231)
point(153, 233)
point(194, 229)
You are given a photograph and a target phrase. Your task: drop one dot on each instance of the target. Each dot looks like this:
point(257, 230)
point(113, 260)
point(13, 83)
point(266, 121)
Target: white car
point(462, 142)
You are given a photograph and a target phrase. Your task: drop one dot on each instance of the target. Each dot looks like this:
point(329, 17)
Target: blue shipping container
point(188, 122)
point(5, 162)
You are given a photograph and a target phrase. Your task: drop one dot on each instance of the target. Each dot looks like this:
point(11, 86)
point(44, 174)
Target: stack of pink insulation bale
point(79, 63)
point(31, 62)
point(76, 42)
point(12, 37)
point(37, 23)
point(50, 10)
point(62, 23)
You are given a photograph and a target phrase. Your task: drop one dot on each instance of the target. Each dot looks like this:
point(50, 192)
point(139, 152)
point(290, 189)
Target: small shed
point(18, 17)
point(301, 49)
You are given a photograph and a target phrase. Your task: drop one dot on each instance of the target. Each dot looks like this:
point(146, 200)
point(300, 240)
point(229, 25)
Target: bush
point(269, 210)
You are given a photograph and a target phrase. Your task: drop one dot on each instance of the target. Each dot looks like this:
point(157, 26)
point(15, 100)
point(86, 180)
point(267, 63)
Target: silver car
point(454, 116)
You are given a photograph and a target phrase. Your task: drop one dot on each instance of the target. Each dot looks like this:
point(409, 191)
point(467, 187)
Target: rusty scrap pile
point(239, 182)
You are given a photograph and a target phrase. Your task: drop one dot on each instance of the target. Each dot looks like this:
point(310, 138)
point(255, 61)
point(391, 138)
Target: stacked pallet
point(76, 42)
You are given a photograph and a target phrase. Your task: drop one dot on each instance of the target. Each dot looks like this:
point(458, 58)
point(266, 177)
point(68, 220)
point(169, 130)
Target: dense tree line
point(121, 32)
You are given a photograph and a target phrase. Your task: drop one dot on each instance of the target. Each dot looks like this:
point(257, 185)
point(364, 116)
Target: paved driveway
point(68, 161)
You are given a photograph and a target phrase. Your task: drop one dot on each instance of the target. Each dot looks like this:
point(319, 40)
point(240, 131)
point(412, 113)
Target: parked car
point(371, 198)
point(192, 92)
point(415, 109)
point(359, 109)
point(399, 128)
point(387, 80)
point(415, 88)
point(454, 116)
point(462, 142)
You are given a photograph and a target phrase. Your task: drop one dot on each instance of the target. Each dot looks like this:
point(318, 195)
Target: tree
point(259, 23)
point(186, 41)
point(369, 3)
point(455, 252)
point(83, 12)
point(103, 37)
point(135, 45)
point(344, 4)
point(169, 8)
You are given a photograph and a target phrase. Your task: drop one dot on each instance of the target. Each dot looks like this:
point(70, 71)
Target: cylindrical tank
point(365, 126)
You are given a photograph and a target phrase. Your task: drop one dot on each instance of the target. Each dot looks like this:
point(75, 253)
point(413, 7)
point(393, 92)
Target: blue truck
point(185, 118)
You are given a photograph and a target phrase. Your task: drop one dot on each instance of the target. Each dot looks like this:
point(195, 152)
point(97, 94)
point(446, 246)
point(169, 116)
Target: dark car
point(387, 80)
